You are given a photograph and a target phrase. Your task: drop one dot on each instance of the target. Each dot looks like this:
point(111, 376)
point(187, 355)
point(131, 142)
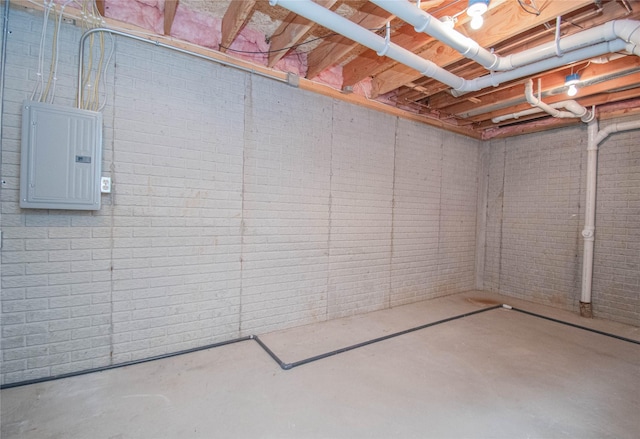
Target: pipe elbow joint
point(588, 117)
point(500, 64)
point(627, 30)
point(465, 87)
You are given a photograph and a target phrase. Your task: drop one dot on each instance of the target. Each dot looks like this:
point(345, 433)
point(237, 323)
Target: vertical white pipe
point(588, 233)
point(594, 139)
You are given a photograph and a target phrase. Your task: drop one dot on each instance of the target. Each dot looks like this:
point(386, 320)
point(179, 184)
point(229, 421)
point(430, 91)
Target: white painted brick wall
point(416, 215)
point(240, 206)
point(534, 244)
point(616, 284)
point(56, 312)
point(361, 199)
point(178, 177)
point(459, 197)
point(286, 207)
point(541, 216)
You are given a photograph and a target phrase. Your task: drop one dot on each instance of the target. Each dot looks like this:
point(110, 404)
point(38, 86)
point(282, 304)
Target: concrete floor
point(495, 374)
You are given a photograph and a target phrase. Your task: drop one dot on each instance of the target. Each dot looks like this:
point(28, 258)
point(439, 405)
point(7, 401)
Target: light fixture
point(571, 81)
point(475, 10)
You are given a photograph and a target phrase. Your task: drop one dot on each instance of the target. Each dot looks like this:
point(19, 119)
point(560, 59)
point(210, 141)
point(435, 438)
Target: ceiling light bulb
point(477, 22)
point(571, 81)
point(477, 7)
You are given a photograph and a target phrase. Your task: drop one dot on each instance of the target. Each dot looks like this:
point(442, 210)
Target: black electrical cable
point(288, 366)
point(573, 325)
point(525, 7)
point(294, 46)
point(126, 363)
point(386, 337)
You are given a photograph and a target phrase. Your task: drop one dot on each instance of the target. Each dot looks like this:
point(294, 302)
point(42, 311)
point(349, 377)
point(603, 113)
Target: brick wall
point(240, 205)
point(535, 215)
point(616, 265)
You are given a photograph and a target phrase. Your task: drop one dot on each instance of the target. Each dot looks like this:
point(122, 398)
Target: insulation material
point(204, 30)
point(331, 76)
point(294, 62)
point(196, 28)
point(250, 45)
point(364, 87)
point(148, 14)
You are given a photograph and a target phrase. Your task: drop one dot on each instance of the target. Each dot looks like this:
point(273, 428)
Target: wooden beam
point(100, 6)
point(170, 7)
point(353, 98)
point(500, 24)
point(368, 63)
point(290, 31)
point(234, 18)
point(333, 49)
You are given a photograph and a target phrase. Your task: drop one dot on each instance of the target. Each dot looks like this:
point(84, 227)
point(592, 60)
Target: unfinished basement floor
point(499, 373)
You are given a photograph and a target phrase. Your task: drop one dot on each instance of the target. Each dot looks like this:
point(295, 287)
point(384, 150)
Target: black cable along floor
point(289, 366)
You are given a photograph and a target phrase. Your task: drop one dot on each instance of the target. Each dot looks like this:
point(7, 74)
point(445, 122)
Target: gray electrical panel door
point(61, 157)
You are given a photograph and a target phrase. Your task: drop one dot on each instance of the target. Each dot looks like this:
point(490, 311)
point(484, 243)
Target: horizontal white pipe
point(495, 79)
point(574, 109)
point(626, 30)
point(517, 115)
point(614, 128)
point(424, 22)
point(347, 28)
point(534, 110)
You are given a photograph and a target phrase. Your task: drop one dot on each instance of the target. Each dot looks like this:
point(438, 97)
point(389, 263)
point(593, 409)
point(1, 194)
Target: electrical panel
point(61, 157)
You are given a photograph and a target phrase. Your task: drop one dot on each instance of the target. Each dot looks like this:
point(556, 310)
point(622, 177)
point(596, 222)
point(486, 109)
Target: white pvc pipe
point(495, 79)
point(595, 137)
point(574, 109)
point(626, 30)
point(349, 29)
point(314, 12)
point(428, 24)
point(535, 110)
point(588, 233)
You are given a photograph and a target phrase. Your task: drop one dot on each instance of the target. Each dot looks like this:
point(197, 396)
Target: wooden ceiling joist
point(334, 48)
point(292, 29)
point(503, 23)
point(170, 7)
point(234, 19)
point(100, 7)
